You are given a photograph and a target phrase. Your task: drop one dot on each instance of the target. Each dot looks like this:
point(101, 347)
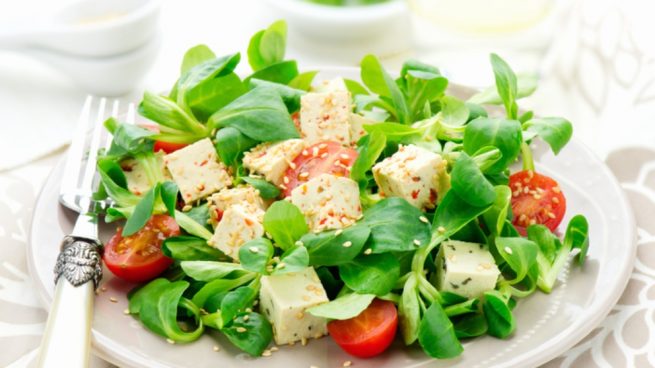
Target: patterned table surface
point(603, 79)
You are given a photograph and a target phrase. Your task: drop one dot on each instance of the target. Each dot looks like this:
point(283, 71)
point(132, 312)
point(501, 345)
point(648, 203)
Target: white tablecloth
point(603, 78)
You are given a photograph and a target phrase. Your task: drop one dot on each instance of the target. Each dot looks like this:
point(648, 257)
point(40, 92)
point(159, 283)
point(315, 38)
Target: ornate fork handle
point(66, 341)
point(79, 261)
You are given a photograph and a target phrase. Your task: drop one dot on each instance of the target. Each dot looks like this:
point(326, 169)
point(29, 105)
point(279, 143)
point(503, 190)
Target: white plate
point(547, 325)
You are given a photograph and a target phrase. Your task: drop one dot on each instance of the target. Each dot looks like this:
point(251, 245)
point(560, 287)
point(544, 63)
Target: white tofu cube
point(331, 85)
point(324, 116)
point(197, 171)
point(245, 195)
point(137, 178)
point(467, 269)
point(357, 124)
point(238, 225)
point(284, 299)
point(413, 173)
point(328, 202)
point(273, 159)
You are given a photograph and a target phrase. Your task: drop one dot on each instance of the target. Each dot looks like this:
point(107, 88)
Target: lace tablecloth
point(602, 78)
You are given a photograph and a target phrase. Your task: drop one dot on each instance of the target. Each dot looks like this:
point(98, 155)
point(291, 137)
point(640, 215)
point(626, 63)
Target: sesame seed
point(347, 244)
point(126, 311)
point(530, 174)
point(274, 348)
point(344, 156)
point(424, 219)
point(508, 250)
point(292, 165)
point(305, 153)
point(300, 315)
point(322, 146)
point(113, 300)
point(103, 289)
point(526, 190)
point(285, 180)
point(299, 243)
point(523, 218)
point(533, 221)
point(303, 175)
point(551, 215)
point(283, 186)
point(556, 189)
point(246, 317)
point(441, 229)
point(249, 310)
point(281, 265)
point(186, 208)
point(368, 251)
point(315, 151)
point(417, 242)
point(338, 232)
point(241, 329)
point(170, 341)
point(347, 363)
point(324, 155)
point(216, 348)
point(253, 250)
point(303, 341)
point(555, 200)
point(536, 196)
point(266, 353)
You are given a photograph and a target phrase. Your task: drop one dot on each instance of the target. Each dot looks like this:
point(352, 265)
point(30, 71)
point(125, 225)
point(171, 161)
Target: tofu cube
point(467, 269)
point(283, 299)
point(244, 194)
point(331, 85)
point(415, 174)
point(197, 171)
point(137, 178)
point(357, 124)
point(273, 159)
point(325, 116)
point(238, 225)
point(328, 202)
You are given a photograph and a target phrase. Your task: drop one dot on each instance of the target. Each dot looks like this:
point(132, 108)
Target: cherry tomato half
point(368, 334)
point(536, 199)
point(320, 158)
point(138, 257)
point(168, 147)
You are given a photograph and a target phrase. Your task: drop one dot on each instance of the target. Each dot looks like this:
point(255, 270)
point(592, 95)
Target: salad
point(278, 209)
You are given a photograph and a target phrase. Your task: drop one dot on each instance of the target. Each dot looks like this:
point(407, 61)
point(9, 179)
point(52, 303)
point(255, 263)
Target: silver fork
point(67, 339)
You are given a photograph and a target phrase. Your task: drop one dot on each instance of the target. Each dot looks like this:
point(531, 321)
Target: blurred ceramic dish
point(91, 28)
point(547, 325)
point(340, 23)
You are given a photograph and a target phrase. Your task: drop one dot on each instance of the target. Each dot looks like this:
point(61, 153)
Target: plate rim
point(548, 351)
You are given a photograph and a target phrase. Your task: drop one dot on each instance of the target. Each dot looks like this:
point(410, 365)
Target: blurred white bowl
point(341, 23)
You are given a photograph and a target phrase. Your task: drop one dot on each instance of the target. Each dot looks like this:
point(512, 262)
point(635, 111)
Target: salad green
point(389, 249)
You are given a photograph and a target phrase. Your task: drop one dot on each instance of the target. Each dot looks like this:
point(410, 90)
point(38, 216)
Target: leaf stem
point(528, 160)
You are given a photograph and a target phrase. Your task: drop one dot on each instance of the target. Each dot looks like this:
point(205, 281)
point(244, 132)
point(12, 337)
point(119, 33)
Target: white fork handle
point(67, 338)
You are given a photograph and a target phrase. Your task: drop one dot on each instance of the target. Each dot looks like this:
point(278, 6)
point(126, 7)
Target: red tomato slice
point(368, 334)
point(320, 158)
point(168, 147)
point(138, 257)
point(536, 199)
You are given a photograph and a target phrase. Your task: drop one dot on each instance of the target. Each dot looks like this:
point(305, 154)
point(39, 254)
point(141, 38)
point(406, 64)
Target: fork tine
point(90, 169)
point(108, 136)
point(131, 114)
point(76, 150)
